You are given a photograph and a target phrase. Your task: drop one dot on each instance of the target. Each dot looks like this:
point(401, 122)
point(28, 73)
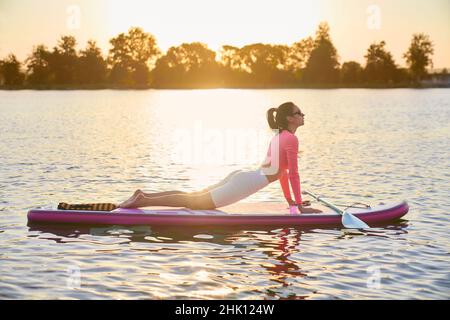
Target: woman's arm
point(294, 178)
point(292, 159)
point(284, 182)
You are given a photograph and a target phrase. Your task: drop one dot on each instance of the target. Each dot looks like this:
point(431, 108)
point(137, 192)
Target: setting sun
point(216, 23)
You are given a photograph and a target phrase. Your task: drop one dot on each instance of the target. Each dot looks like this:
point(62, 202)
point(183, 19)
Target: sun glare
point(217, 23)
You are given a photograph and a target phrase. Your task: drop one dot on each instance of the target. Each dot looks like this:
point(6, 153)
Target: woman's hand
point(308, 210)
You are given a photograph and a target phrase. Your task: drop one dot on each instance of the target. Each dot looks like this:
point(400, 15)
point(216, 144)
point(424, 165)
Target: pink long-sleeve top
point(282, 157)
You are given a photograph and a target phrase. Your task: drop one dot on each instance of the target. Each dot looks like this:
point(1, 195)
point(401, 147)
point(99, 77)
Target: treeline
point(135, 61)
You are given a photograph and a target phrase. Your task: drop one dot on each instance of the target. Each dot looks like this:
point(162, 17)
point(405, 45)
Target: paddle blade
point(352, 222)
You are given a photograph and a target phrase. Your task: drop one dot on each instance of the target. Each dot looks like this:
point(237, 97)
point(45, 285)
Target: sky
point(354, 24)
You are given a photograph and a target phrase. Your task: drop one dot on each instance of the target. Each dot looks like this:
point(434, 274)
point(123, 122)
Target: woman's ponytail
point(271, 120)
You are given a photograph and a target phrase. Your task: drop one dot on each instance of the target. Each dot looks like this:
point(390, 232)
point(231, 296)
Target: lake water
point(99, 146)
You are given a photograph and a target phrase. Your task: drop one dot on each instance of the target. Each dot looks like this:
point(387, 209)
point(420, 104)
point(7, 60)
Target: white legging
point(239, 186)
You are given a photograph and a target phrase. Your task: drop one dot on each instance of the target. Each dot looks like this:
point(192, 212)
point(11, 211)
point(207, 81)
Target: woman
point(280, 164)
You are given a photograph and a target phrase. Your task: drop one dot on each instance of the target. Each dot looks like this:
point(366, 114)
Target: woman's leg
point(160, 194)
point(132, 199)
point(149, 195)
point(198, 201)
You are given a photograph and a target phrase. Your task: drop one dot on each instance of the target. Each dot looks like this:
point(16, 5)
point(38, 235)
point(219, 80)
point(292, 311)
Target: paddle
point(348, 220)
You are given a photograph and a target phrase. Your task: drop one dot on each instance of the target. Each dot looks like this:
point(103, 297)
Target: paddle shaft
point(318, 198)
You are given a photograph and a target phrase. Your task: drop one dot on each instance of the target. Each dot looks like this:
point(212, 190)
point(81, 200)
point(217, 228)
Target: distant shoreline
point(135, 62)
point(106, 87)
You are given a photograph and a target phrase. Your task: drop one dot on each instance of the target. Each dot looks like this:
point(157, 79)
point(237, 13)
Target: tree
point(298, 55)
point(265, 63)
point(418, 56)
point(230, 57)
point(351, 73)
point(322, 65)
point(64, 61)
point(119, 61)
point(187, 65)
point(261, 58)
point(232, 68)
point(131, 57)
point(92, 67)
point(380, 66)
point(38, 66)
point(10, 70)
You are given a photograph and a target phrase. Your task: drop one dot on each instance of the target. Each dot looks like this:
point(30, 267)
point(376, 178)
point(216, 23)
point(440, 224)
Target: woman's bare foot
point(135, 194)
point(135, 202)
point(138, 191)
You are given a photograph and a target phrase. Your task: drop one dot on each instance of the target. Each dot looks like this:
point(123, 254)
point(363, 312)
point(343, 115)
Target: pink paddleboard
point(263, 213)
